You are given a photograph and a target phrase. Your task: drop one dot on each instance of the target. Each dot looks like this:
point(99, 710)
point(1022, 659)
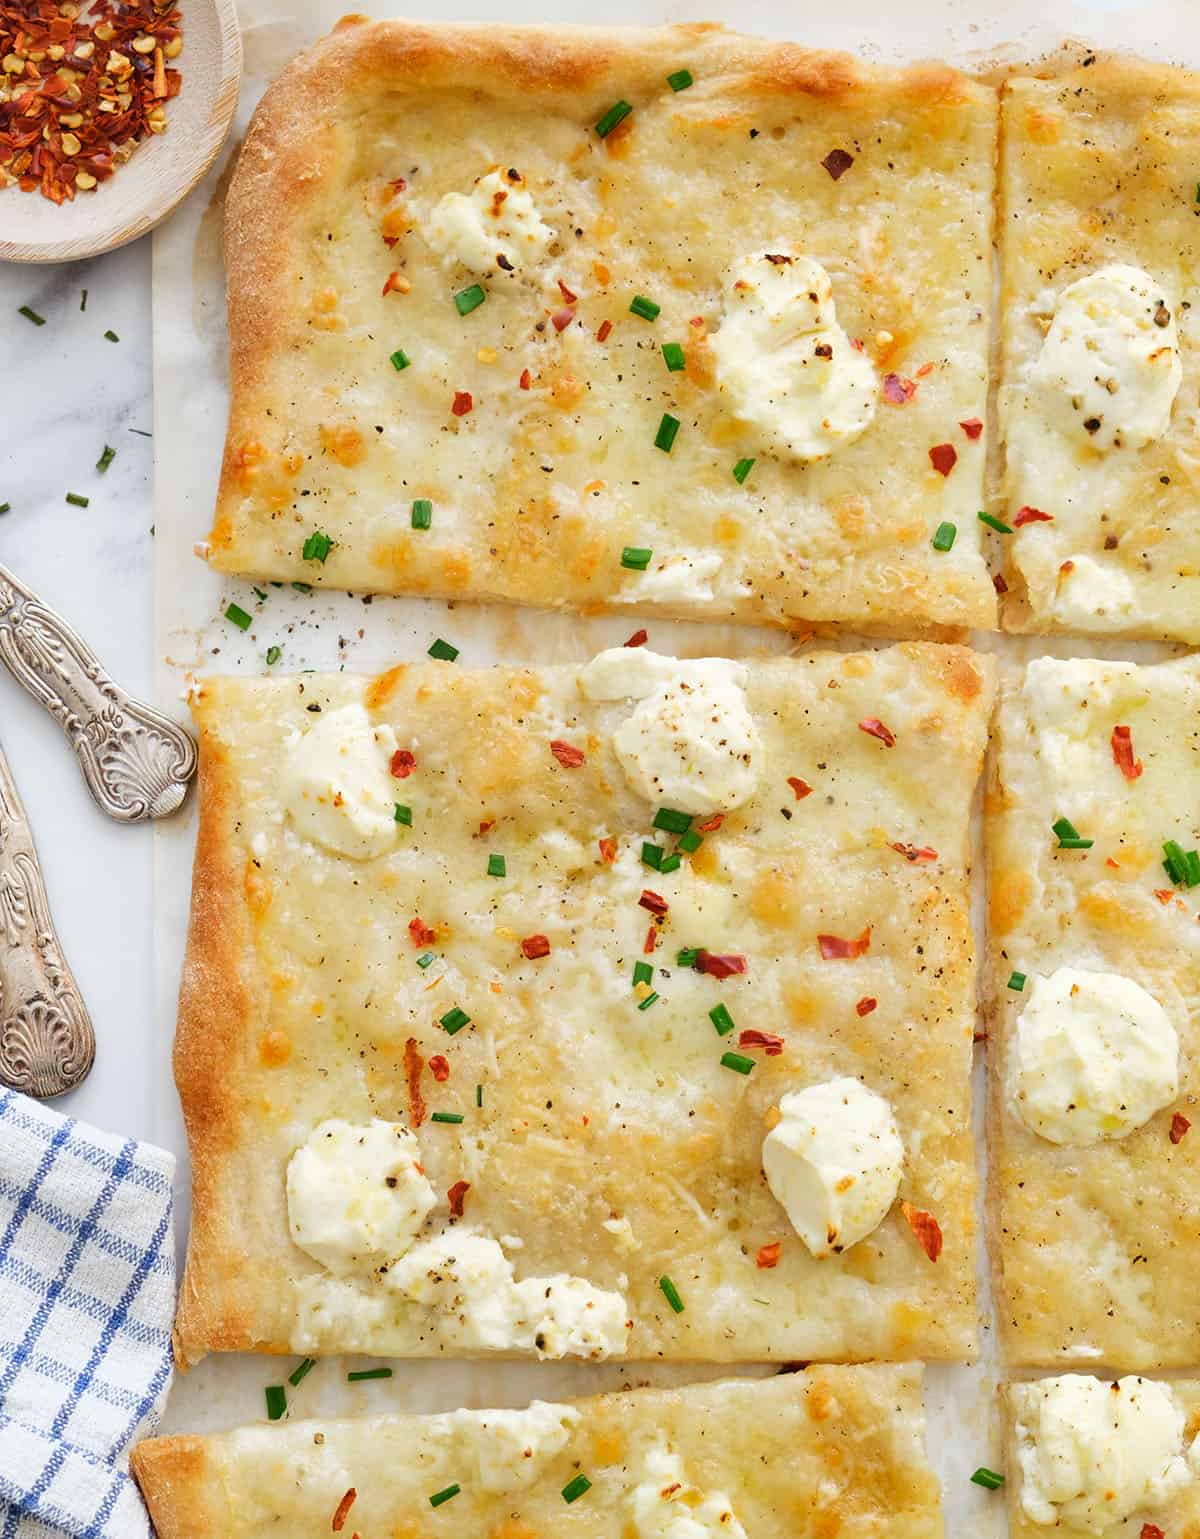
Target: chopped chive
point(690, 842)
point(399, 360)
point(273, 655)
point(687, 957)
point(680, 80)
point(106, 458)
point(453, 1117)
point(574, 1489)
point(944, 536)
point(469, 299)
point(276, 1401)
point(111, 336)
point(987, 1478)
point(652, 855)
point(617, 113)
point(1069, 837)
point(673, 357)
point(647, 1002)
point(403, 814)
point(439, 1497)
point(738, 1062)
point(5, 507)
point(422, 513)
point(497, 865)
point(672, 822)
point(142, 433)
point(720, 1017)
point(636, 558)
point(454, 1020)
point(261, 594)
point(77, 500)
point(301, 1371)
point(1192, 859)
point(302, 587)
point(317, 547)
point(741, 470)
point(443, 651)
point(1198, 192)
point(1016, 982)
point(644, 307)
point(669, 863)
point(642, 973)
point(671, 1294)
point(31, 314)
point(83, 300)
point(664, 439)
point(426, 959)
point(236, 615)
point(994, 523)
point(368, 1373)
point(1182, 866)
point(478, 1095)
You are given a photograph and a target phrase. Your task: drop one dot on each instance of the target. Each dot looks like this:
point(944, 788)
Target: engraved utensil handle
point(46, 1039)
point(136, 761)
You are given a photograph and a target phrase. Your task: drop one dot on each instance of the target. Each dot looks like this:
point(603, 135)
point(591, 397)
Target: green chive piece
point(301, 1371)
point(77, 500)
point(669, 863)
point(673, 357)
point(469, 299)
point(647, 1002)
point(426, 959)
point(741, 470)
point(680, 80)
point(83, 300)
point(454, 1020)
point(443, 651)
point(944, 537)
point(664, 439)
point(451, 1117)
point(422, 513)
point(738, 1062)
point(617, 113)
point(497, 865)
point(652, 855)
point(440, 1497)
point(5, 507)
point(1182, 866)
point(31, 314)
point(987, 1478)
point(720, 1017)
point(690, 842)
point(644, 307)
point(642, 973)
point(1198, 192)
point(236, 615)
point(111, 336)
point(636, 558)
point(1016, 982)
point(1069, 837)
point(276, 1401)
point(273, 655)
point(672, 822)
point(574, 1489)
point(1193, 867)
point(1075, 844)
point(261, 594)
point(317, 547)
point(400, 360)
point(994, 523)
point(403, 814)
point(671, 1294)
point(302, 587)
point(478, 1095)
point(106, 458)
point(368, 1373)
point(687, 957)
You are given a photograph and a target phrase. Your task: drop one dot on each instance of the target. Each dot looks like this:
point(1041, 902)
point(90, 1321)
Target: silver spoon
point(136, 761)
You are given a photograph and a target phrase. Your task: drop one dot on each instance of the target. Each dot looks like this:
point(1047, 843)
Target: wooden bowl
point(161, 171)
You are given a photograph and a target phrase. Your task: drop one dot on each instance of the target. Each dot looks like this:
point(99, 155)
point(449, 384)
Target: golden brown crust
point(182, 1487)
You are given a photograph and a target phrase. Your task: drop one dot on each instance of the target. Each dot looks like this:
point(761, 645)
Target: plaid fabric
point(87, 1291)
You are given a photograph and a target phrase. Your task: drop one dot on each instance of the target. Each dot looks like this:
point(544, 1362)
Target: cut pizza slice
point(827, 1450)
point(1099, 249)
point(1095, 988)
point(680, 320)
point(622, 1009)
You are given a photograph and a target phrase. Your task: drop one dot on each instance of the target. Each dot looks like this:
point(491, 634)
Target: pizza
point(614, 1010)
point(676, 320)
point(1095, 981)
point(1099, 256)
point(830, 1450)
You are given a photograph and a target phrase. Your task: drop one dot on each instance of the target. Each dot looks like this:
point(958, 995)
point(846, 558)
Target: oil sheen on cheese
point(336, 784)
point(495, 228)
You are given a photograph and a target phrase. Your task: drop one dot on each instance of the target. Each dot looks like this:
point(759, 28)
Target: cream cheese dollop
point(336, 785)
point(666, 1505)
point(833, 1161)
point(785, 365)
point(496, 227)
point(1093, 1056)
point(503, 1450)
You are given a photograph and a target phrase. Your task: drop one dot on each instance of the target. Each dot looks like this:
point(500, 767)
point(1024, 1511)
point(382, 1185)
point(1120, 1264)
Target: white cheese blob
point(833, 1162)
point(690, 743)
point(507, 1449)
point(337, 786)
point(676, 578)
point(1092, 1453)
point(568, 1316)
point(665, 1505)
point(494, 227)
point(785, 365)
point(1109, 370)
point(356, 1195)
point(1094, 595)
point(1093, 1056)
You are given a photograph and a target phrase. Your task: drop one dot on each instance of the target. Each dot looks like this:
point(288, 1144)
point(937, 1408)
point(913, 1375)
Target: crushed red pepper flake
point(720, 964)
point(1179, 1127)
point(1152, 1531)
point(943, 458)
point(835, 949)
point(638, 639)
point(404, 761)
point(926, 1228)
point(1164, 894)
point(768, 1255)
point(462, 403)
point(413, 1064)
point(915, 854)
point(608, 851)
point(1122, 752)
point(567, 754)
point(801, 787)
point(1029, 515)
point(837, 163)
point(866, 1004)
point(561, 319)
point(566, 293)
point(535, 946)
point(653, 902)
point(439, 1067)
point(767, 1040)
point(972, 427)
point(526, 379)
point(456, 1196)
point(897, 390)
point(396, 283)
point(873, 727)
point(710, 825)
point(421, 933)
point(343, 1508)
point(999, 584)
point(604, 332)
point(651, 940)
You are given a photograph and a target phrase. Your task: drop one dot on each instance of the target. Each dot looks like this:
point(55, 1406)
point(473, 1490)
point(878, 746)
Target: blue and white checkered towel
point(87, 1291)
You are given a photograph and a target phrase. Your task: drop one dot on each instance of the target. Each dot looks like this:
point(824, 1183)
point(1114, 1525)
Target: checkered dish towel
point(87, 1290)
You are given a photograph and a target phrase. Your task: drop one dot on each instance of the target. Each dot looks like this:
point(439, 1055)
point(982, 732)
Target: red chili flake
point(343, 1508)
point(767, 1040)
point(421, 934)
point(462, 403)
point(567, 754)
point(535, 946)
point(526, 379)
point(710, 825)
point(835, 949)
point(926, 368)
point(561, 319)
point(638, 639)
point(413, 1064)
point(1179, 1127)
point(897, 389)
point(404, 761)
point(392, 285)
point(1122, 752)
point(857, 344)
point(943, 458)
point(915, 855)
point(486, 828)
point(653, 902)
point(399, 184)
point(651, 940)
point(926, 1228)
point(972, 427)
point(720, 964)
point(866, 1004)
point(837, 163)
point(768, 1255)
point(801, 787)
point(1152, 1531)
point(608, 851)
point(456, 1195)
point(1164, 894)
point(566, 293)
point(1025, 516)
point(605, 329)
point(439, 1067)
point(999, 584)
point(873, 727)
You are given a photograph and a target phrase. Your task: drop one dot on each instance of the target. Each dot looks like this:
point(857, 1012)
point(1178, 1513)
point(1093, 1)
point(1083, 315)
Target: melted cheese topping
point(494, 228)
point(665, 1504)
point(507, 1450)
point(336, 785)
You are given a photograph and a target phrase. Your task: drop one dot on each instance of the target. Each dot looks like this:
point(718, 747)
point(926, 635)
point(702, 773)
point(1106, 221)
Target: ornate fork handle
point(46, 1039)
point(136, 762)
